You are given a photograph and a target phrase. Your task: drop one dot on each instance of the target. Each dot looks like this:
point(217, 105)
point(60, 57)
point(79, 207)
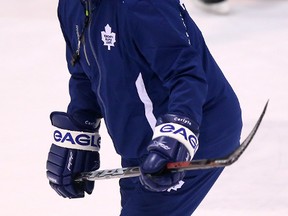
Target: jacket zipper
point(85, 52)
point(96, 59)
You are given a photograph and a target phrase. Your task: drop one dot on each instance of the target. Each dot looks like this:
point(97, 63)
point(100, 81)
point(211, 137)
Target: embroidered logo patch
point(108, 37)
point(177, 186)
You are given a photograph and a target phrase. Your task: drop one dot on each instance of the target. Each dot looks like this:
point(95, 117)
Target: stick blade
point(222, 162)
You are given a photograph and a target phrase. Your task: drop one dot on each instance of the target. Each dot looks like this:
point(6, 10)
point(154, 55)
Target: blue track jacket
point(139, 59)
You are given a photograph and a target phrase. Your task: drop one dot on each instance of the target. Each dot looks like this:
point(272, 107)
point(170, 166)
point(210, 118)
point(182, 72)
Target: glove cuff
point(76, 139)
point(180, 133)
point(180, 128)
point(68, 134)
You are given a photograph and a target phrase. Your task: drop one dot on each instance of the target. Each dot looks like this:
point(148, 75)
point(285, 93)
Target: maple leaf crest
point(108, 37)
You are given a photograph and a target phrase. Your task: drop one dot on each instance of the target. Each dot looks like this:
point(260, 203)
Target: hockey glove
point(173, 141)
point(74, 150)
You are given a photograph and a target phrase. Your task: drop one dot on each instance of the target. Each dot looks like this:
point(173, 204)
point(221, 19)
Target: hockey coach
point(143, 67)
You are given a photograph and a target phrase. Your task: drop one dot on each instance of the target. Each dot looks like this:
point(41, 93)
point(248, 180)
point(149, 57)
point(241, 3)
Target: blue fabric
point(136, 200)
point(157, 41)
point(178, 71)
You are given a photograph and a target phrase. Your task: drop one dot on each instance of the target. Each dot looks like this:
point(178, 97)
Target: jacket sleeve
point(83, 104)
point(161, 37)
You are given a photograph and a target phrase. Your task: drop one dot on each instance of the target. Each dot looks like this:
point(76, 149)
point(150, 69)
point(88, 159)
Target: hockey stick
point(177, 166)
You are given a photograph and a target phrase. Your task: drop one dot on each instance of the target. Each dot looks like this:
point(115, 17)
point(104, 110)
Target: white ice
point(250, 45)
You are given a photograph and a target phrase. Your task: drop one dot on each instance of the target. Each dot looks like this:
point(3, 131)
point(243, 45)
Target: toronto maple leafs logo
point(108, 37)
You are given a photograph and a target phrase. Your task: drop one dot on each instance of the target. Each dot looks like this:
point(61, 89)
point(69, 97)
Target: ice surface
point(250, 45)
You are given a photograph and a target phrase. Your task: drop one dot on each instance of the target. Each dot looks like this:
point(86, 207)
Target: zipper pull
point(86, 9)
